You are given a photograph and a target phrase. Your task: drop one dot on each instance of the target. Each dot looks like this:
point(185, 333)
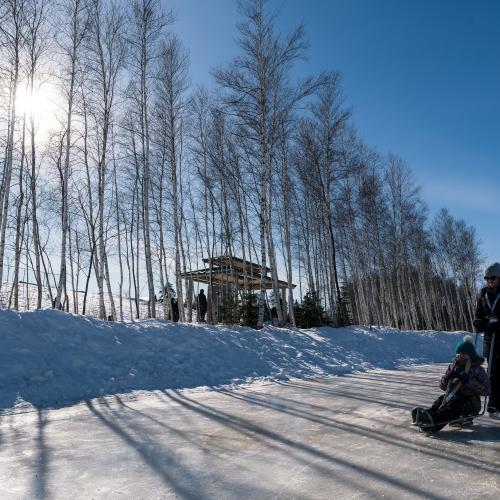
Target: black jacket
point(487, 309)
point(202, 301)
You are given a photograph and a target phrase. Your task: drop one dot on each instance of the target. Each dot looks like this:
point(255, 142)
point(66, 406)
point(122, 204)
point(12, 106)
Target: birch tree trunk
point(20, 223)
point(172, 85)
point(108, 52)
point(78, 27)
point(13, 32)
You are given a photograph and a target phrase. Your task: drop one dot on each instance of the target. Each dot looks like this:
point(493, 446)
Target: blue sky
point(422, 79)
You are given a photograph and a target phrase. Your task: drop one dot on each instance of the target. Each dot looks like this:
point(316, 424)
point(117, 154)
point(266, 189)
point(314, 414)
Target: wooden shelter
point(231, 275)
point(229, 270)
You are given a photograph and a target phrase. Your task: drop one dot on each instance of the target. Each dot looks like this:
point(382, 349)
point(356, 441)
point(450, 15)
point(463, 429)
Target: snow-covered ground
point(28, 294)
point(49, 358)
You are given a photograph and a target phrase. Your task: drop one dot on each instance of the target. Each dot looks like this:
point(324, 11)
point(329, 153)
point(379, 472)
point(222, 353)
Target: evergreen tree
point(297, 311)
point(249, 310)
point(312, 311)
point(230, 310)
point(346, 316)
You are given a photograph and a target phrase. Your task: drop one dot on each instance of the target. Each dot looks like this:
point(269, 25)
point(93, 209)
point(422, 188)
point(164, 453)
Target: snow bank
point(49, 358)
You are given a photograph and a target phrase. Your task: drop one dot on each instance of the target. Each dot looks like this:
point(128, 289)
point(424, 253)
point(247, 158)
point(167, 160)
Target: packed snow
point(52, 359)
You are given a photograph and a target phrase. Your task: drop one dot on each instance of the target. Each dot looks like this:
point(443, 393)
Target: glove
point(479, 325)
point(456, 372)
point(450, 375)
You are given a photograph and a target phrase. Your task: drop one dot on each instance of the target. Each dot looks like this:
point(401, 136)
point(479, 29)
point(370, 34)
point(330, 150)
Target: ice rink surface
point(330, 438)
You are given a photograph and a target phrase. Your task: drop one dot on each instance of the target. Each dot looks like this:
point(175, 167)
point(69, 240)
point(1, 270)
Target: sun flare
point(42, 106)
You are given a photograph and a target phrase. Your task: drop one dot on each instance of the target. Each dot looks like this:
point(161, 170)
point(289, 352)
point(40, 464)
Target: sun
point(41, 106)
point(28, 105)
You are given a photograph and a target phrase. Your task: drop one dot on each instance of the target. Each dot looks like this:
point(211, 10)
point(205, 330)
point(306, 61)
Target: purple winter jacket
point(478, 383)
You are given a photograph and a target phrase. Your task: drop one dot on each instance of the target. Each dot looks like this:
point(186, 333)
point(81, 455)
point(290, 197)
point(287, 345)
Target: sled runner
point(425, 422)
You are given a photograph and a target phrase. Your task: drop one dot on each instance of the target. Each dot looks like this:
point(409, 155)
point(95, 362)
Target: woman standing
point(487, 320)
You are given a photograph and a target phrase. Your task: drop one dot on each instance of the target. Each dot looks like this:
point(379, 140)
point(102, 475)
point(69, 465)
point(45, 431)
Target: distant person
point(465, 381)
point(487, 320)
point(274, 312)
point(174, 307)
point(202, 306)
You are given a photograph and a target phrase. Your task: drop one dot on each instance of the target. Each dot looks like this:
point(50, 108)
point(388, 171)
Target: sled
point(466, 420)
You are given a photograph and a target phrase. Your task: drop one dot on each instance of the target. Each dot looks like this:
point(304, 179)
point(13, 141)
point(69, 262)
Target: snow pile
point(49, 358)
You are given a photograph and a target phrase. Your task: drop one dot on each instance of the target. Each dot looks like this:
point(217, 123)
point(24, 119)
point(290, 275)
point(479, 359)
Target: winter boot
point(492, 406)
point(418, 416)
point(426, 422)
point(414, 414)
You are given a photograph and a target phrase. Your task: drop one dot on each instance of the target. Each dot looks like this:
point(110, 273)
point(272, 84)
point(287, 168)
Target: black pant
point(202, 312)
point(495, 379)
point(495, 364)
point(458, 407)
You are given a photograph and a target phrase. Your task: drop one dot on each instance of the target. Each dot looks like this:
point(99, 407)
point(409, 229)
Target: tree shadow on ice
point(326, 463)
point(35, 464)
point(393, 379)
point(393, 389)
point(41, 459)
point(160, 460)
point(390, 399)
point(289, 407)
point(125, 418)
point(175, 470)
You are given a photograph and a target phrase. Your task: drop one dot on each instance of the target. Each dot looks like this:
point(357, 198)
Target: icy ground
point(327, 438)
point(52, 359)
point(153, 409)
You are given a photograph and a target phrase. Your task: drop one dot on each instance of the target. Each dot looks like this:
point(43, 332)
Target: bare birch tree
point(259, 97)
point(73, 26)
point(172, 85)
point(12, 30)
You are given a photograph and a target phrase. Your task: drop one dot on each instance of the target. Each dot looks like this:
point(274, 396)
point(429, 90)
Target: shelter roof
point(231, 270)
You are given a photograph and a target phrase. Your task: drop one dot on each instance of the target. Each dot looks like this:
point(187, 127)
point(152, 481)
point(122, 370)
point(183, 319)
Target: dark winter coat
point(202, 302)
point(478, 383)
point(175, 310)
point(466, 400)
point(485, 310)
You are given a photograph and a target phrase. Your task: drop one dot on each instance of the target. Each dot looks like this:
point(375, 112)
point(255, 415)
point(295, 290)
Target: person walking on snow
point(487, 321)
point(202, 306)
point(174, 307)
point(466, 380)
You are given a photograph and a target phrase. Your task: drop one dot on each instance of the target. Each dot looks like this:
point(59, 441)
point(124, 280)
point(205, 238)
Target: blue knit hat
point(466, 346)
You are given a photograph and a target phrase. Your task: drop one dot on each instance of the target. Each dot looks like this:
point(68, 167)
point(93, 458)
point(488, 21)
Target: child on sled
point(465, 381)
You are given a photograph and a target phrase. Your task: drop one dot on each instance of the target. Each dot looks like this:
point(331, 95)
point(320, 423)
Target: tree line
point(143, 175)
